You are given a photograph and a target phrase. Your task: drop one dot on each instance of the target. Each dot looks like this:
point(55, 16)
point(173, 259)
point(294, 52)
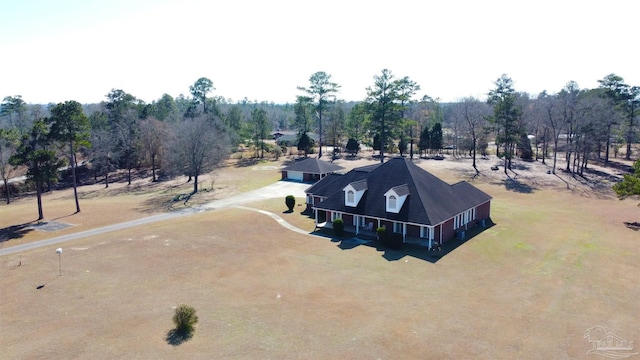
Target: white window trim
point(392, 202)
point(351, 197)
point(357, 196)
point(399, 201)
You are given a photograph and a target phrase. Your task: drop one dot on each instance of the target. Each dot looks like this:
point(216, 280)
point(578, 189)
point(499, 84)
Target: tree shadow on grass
point(176, 337)
point(512, 184)
point(15, 231)
point(246, 162)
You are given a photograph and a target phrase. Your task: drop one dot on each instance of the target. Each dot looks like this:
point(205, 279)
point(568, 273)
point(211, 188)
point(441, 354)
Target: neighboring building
point(290, 138)
point(309, 170)
point(402, 197)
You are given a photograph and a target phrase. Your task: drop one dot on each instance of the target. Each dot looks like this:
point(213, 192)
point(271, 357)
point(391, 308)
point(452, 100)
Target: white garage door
point(295, 175)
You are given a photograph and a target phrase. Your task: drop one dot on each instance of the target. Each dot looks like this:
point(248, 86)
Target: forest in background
point(191, 135)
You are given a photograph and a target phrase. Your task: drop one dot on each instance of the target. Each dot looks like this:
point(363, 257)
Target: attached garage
point(308, 170)
point(295, 175)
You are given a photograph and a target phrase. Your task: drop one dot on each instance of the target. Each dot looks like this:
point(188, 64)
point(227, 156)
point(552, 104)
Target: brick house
point(402, 197)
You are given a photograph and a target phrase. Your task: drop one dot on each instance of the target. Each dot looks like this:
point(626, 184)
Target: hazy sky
point(57, 50)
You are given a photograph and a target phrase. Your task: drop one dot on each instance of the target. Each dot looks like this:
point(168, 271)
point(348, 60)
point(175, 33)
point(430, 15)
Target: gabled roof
point(359, 185)
point(401, 190)
point(430, 201)
point(313, 166)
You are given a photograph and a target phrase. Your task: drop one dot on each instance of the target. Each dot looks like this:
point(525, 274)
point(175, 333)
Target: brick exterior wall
point(483, 211)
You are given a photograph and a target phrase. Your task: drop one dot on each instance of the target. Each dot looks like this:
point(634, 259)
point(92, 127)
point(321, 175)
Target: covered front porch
point(367, 230)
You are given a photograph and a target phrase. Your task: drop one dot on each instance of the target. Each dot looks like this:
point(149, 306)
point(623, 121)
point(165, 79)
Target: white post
point(59, 251)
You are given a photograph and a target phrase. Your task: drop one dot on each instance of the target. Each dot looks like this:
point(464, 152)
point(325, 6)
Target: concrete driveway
point(279, 189)
point(275, 190)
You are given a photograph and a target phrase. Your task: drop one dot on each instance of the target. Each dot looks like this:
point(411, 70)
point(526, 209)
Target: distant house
point(402, 197)
point(290, 138)
point(308, 170)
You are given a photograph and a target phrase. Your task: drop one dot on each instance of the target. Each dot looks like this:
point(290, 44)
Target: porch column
point(404, 232)
point(357, 219)
point(316, 213)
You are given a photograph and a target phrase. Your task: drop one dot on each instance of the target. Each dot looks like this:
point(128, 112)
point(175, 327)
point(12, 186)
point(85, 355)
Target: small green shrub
point(382, 233)
point(290, 201)
point(338, 227)
point(185, 319)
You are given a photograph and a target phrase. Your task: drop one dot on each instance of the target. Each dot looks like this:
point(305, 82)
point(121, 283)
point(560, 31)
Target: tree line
point(191, 135)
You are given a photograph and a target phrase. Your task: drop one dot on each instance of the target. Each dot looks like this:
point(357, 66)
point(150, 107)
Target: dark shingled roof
point(430, 202)
point(359, 185)
point(313, 166)
point(336, 182)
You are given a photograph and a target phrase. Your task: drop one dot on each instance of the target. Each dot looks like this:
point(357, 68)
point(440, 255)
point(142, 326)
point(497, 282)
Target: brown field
point(558, 261)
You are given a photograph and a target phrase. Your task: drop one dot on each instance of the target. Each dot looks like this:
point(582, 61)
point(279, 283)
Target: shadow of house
point(416, 250)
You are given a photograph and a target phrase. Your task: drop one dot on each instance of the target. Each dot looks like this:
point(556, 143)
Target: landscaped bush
point(338, 227)
point(185, 319)
point(382, 233)
point(290, 201)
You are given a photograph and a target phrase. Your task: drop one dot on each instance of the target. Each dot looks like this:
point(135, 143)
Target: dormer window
point(392, 202)
point(351, 195)
point(395, 198)
point(354, 192)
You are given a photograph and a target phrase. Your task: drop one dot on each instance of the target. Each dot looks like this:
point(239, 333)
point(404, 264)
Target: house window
point(351, 197)
point(392, 202)
point(397, 227)
point(359, 221)
point(335, 215)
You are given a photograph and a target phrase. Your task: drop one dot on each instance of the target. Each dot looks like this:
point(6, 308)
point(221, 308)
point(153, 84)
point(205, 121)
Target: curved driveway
point(275, 190)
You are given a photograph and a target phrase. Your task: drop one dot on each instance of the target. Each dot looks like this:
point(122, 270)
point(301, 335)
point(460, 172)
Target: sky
point(58, 50)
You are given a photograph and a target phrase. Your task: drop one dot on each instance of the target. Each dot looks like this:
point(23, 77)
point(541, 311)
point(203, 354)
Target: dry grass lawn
point(556, 263)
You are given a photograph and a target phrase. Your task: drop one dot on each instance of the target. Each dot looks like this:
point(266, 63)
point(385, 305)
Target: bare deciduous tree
point(472, 113)
point(197, 146)
point(153, 134)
